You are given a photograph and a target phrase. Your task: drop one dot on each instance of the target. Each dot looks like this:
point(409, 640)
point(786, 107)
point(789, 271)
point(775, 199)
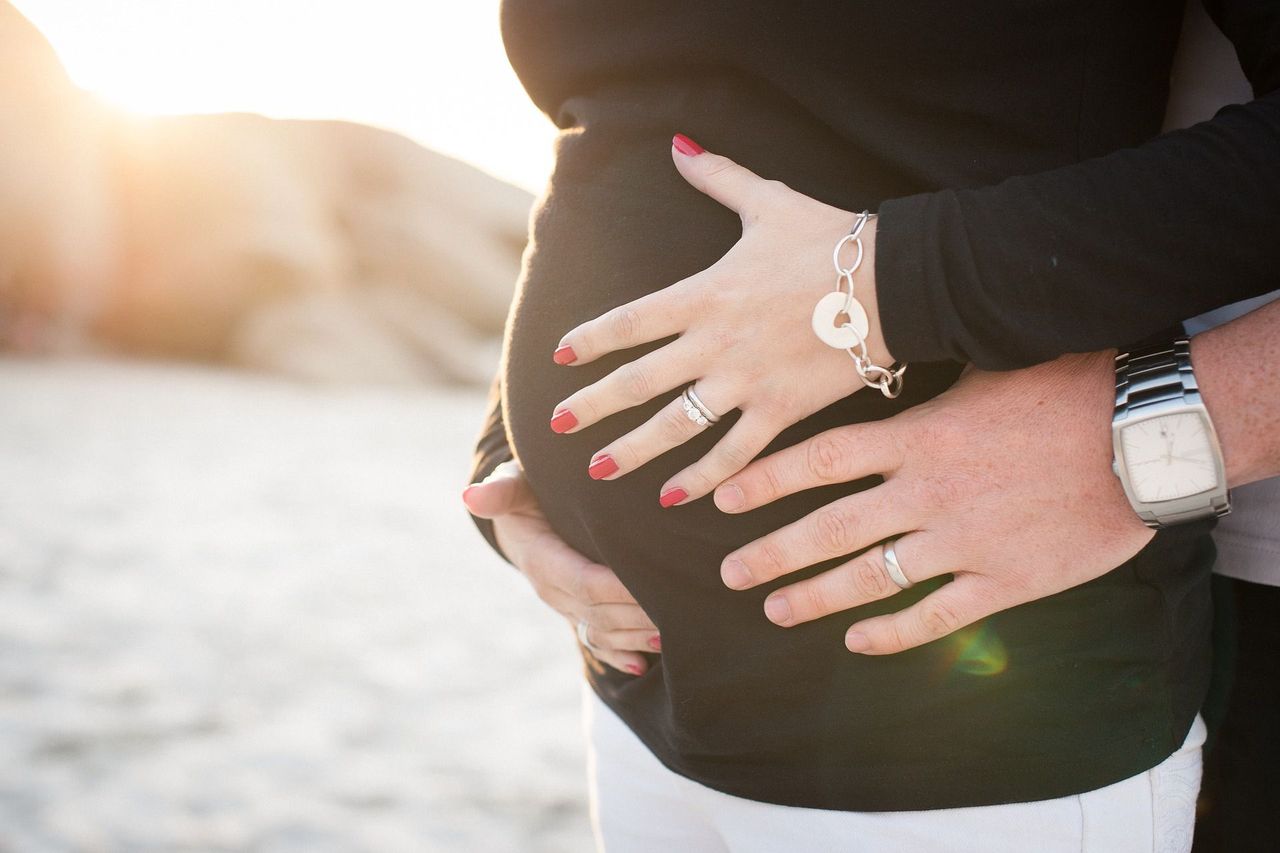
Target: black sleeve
point(491, 450)
point(1102, 252)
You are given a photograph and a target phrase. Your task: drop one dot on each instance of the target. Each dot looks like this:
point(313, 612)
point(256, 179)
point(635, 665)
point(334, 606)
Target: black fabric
point(858, 104)
point(1238, 810)
point(491, 450)
point(1112, 248)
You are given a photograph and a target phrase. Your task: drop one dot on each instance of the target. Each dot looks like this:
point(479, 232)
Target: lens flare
point(978, 651)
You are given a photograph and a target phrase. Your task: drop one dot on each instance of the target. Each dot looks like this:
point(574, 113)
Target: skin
point(744, 351)
point(1015, 499)
point(1011, 515)
point(569, 583)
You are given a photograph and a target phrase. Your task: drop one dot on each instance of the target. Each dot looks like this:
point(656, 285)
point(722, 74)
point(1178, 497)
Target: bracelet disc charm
point(828, 311)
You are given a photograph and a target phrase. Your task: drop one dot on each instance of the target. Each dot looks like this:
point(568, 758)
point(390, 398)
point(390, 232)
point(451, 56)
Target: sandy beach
point(238, 613)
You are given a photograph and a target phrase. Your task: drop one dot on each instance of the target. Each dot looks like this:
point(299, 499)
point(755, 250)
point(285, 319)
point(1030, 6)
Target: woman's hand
point(745, 333)
point(1004, 481)
point(578, 589)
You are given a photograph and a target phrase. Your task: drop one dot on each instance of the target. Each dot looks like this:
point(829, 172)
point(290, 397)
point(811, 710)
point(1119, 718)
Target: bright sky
point(431, 69)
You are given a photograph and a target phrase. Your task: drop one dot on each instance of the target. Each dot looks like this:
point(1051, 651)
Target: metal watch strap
point(1158, 374)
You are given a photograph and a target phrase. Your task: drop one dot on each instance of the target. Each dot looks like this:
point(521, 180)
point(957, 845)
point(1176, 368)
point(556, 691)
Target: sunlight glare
point(434, 71)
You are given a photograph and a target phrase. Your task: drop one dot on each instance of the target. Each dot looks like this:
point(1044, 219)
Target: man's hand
point(578, 589)
point(1004, 481)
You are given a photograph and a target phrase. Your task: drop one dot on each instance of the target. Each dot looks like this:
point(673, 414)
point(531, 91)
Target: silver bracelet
point(851, 334)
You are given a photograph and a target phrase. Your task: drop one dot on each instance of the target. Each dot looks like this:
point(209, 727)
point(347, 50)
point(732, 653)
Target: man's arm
point(1238, 369)
point(1027, 456)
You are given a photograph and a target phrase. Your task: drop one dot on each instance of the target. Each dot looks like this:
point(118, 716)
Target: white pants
point(639, 806)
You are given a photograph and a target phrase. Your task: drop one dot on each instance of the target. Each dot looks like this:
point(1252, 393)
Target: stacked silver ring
point(695, 409)
point(894, 568)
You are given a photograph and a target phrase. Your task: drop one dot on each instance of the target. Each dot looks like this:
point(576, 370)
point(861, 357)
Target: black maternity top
point(923, 111)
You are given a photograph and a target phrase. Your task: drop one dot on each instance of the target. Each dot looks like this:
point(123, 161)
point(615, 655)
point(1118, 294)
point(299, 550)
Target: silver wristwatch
point(1166, 451)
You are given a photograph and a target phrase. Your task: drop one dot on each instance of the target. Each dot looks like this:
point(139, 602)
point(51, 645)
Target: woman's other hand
point(744, 333)
point(1004, 481)
point(579, 590)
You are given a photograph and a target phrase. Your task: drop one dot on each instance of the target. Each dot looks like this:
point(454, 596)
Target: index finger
point(838, 455)
point(652, 316)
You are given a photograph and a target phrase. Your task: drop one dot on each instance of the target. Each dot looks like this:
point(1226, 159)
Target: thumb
point(725, 181)
point(503, 491)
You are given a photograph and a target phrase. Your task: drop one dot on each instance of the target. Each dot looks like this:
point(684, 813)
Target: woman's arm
point(1100, 253)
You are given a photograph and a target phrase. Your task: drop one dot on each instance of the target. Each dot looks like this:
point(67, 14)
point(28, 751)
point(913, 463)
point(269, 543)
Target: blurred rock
point(323, 250)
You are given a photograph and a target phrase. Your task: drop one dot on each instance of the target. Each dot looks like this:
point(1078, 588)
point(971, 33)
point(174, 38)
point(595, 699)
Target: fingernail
point(602, 467)
point(467, 491)
point(564, 355)
point(564, 421)
point(634, 669)
point(671, 497)
point(686, 146)
point(655, 643)
point(777, 609)
point(856, 642)
point(735, 574)
point(729, 497)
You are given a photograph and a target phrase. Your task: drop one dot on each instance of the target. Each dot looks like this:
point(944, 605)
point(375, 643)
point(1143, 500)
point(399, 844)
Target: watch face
point(1169, 457)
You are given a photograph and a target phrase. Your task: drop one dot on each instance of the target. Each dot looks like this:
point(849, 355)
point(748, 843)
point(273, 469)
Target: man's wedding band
point(695, 409)
point(893, 567)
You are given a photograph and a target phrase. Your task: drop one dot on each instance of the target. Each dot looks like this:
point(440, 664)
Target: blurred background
point(254, 264)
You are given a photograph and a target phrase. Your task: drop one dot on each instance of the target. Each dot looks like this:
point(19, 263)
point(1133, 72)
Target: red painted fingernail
point(564, 355)
point(634, 669)
point(602, 467)
point(564, 421)
point(686, 146)
point(655, 643)
point(671, 497)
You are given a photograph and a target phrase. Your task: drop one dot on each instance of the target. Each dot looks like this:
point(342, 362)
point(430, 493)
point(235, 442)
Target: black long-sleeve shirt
point(1026, 210)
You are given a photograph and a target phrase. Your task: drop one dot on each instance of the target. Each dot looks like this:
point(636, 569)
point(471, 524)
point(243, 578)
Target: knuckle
point(938, 619)
point(734, 454)
point(772, 480)
point(592, 584)
point(701, 479)
point(600, 617)
point(624, 323)
point(673, 426)
point(724, 338)
point(605, 640)
point(780, 404)
point(816, 600)
point(719, 167)
point(832, 531)
point(898, 636)
point(948, 490)
point(583, 405)
point(772, 191)
point(942, 428)
point(637, 383)
point(770, 559)
point(869, 579)
point(823, 457)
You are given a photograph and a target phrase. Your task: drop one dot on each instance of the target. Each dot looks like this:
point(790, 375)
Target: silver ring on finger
point(582, 638)
point(696, 410)
point(893, 567)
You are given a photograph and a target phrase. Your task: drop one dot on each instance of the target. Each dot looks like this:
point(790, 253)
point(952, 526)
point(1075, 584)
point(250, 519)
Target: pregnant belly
point(617, 223)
